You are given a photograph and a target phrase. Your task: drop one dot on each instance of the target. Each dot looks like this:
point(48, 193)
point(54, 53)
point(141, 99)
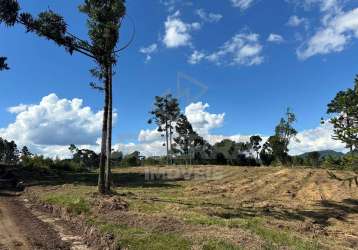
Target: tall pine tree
point(104, 21)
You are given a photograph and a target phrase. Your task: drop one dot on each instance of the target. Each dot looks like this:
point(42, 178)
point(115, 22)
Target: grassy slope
point(232, 208)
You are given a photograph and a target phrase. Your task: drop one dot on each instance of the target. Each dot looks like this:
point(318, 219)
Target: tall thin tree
point(104, 21)
point(166, 111)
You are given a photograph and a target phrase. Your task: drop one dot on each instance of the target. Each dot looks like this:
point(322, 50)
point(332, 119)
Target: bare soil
point(247, 208)
point(20, 229)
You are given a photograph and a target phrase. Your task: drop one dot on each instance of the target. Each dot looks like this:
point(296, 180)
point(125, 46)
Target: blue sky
point(254, 58)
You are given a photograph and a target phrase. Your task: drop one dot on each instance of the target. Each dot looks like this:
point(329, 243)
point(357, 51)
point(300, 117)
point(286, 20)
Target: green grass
point(202, 219)
point(146, 207)
point(75, 204)
point(274, 238)
point(139, 239)
point(219, 245)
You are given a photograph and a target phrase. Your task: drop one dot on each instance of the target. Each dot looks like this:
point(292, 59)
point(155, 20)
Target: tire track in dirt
point(10, 236)
point(21, 229)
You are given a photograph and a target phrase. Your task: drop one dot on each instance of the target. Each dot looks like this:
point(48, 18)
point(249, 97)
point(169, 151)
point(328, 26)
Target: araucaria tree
point(187, 139)
point(165, 113)
point(344, 107)
point(104, 21)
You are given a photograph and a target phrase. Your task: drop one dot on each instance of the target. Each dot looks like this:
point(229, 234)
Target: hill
point(324, 153)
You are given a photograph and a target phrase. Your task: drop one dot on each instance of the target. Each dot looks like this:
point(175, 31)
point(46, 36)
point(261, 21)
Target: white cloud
point(338, 28)
point(148, 51)
point(209, 17)
point(155, 148)
point(316, 139)
point(324, 5)
point(202, 121)
point(242, 49)
point(242, 4)
point(177, 32)
point(212, 139)
point(149, 135)
point(53, 124)
point(196, 57)
point(151, 142)
point(171, 5)
point(335, 34)
point(275, 38)
point(17, 109)
point(296, 21)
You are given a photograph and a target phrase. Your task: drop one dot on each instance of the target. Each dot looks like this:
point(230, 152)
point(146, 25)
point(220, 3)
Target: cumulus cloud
point(203, 121)
point(333, 36)
point(242, 49)
point(275, 38)
point(17, 109)
point(209, 17)
point(177, 32)
point(242, 4)
point(148, 51)
point(149, 135)
point(317, 139)
point(155, 148)
point(150, 141)
point(53, 124)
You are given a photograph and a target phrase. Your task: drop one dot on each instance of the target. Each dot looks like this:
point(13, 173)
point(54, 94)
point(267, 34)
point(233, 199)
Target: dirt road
point(20, 229)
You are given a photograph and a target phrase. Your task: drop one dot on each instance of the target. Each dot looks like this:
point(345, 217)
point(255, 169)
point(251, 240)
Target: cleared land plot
point(216, 208)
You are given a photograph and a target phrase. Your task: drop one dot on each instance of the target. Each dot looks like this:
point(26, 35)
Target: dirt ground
point(24, 228)
point(213, 207)
point(20, 229)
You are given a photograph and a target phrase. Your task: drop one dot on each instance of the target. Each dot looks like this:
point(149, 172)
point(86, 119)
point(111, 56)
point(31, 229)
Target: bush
point(266, 158)
point(347, 162)
point(40, 162)
point(350, 161)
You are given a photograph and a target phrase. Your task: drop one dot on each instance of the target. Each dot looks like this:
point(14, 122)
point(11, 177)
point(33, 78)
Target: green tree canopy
point(344, 107)
point(9, 154)
point(165, 113)
point(277, 145)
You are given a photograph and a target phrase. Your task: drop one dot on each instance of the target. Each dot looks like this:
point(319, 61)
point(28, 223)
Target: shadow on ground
point(321, 214)
point(91, 179)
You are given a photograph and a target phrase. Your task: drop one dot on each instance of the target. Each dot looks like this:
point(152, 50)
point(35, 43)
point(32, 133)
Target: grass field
point(216, 208)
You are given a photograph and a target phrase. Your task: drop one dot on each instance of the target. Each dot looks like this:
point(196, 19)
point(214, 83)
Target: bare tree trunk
point(171, 144)
point(109, 134)
point(167, 140)
point(101, 176)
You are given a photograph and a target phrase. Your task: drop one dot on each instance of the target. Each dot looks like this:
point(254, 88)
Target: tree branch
point(132, 37)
